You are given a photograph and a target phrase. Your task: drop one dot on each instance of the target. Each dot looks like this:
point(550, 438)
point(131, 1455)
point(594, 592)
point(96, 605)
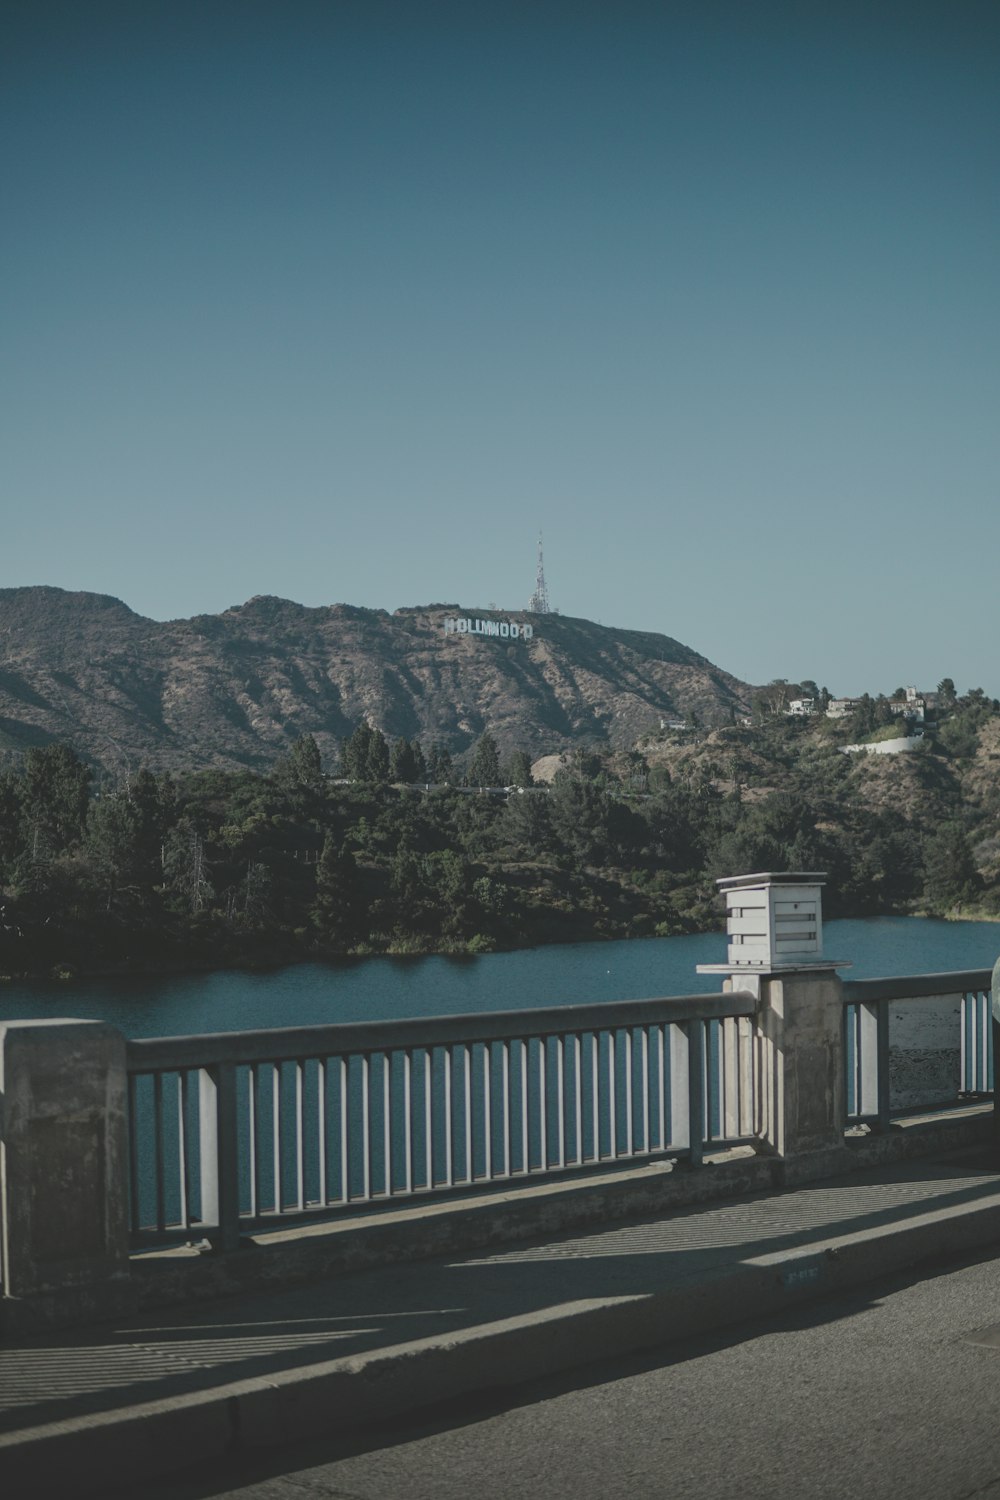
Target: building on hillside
point(801, 707)
point(914, 705)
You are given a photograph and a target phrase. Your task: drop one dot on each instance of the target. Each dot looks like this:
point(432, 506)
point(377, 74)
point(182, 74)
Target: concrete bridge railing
point(110, 1146)
point(253, 1129)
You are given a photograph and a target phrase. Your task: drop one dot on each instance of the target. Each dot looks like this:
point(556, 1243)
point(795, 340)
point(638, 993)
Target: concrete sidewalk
point(83, 1412)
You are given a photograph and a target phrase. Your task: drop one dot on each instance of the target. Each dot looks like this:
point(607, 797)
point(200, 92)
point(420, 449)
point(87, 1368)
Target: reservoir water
point(387, 988)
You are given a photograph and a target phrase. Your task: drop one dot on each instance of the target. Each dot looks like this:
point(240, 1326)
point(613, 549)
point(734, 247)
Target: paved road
point(893, 1394)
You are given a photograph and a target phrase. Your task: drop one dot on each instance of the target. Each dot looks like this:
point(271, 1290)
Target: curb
point(91, 1456)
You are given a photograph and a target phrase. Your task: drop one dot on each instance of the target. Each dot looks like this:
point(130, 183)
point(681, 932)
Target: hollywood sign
point(507, 630)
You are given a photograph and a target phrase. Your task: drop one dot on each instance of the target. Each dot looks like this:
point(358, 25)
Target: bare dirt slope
point(235, 689)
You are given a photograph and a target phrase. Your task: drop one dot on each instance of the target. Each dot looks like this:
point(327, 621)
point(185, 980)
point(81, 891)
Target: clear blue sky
point(345, 301)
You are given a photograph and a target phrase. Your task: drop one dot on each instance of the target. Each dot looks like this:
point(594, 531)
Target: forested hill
point(219, 867)
point(235, 690)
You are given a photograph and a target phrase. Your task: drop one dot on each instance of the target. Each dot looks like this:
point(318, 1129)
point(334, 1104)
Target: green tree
point(447, 879)
point(958, 736)
point(635, 772)
point(471, 825)
point(248, 905)
point(113, 845)
point(303, 764)
point(365, 755)
point(153, 801)
point(186, 867)
point(439, 766)
point(54, 795)
point(882, 870)
point(578, 810)
point(777, 695)
point(337, 907)
point(524, 826)
point(484, 768)
point(674, 820)
point(403, 763)
point(10, 825)
point(777, 833)
point(950, 875)
point(517, 770)
point(428, 890)
point(493, 897)
point(407, 885)
point(355, 752)
point(419, 764)
point(378, 757)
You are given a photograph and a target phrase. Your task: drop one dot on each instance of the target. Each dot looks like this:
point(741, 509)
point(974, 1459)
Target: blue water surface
point(391, 988)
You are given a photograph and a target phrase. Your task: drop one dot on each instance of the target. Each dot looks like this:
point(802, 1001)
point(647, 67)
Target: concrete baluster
point(63, 1173)
point(219, 1155)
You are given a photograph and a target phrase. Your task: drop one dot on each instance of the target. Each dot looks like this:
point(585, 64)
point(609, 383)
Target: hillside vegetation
point(228, 866)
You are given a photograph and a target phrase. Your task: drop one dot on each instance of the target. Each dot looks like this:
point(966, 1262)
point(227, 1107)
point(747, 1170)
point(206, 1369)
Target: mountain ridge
point(236, 688)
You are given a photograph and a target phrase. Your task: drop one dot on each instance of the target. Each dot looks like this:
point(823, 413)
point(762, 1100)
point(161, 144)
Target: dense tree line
point(395, 851)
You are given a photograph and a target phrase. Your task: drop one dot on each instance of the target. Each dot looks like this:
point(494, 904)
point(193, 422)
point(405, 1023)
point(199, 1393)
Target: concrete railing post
point(63, 1173)
point(995, 1025)
point(801, 1038)
point(775, 928)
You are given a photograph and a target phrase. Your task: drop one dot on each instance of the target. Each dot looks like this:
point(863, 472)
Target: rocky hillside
point(235, 689)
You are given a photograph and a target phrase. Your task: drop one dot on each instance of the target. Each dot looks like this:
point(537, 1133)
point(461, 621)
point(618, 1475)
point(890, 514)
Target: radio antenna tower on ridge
point(538, 604)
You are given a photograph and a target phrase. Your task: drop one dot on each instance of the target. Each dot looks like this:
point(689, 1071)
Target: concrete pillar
point(775, 928)
point(800, 1027)
point(63, 1173)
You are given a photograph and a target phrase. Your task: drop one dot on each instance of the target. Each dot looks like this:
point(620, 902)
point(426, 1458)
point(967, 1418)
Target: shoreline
point(68, 974)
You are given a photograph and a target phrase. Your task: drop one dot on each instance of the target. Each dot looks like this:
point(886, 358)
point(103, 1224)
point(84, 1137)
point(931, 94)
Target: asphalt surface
point(180, 1354)
point(83, 1415)
point(892, 1394)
